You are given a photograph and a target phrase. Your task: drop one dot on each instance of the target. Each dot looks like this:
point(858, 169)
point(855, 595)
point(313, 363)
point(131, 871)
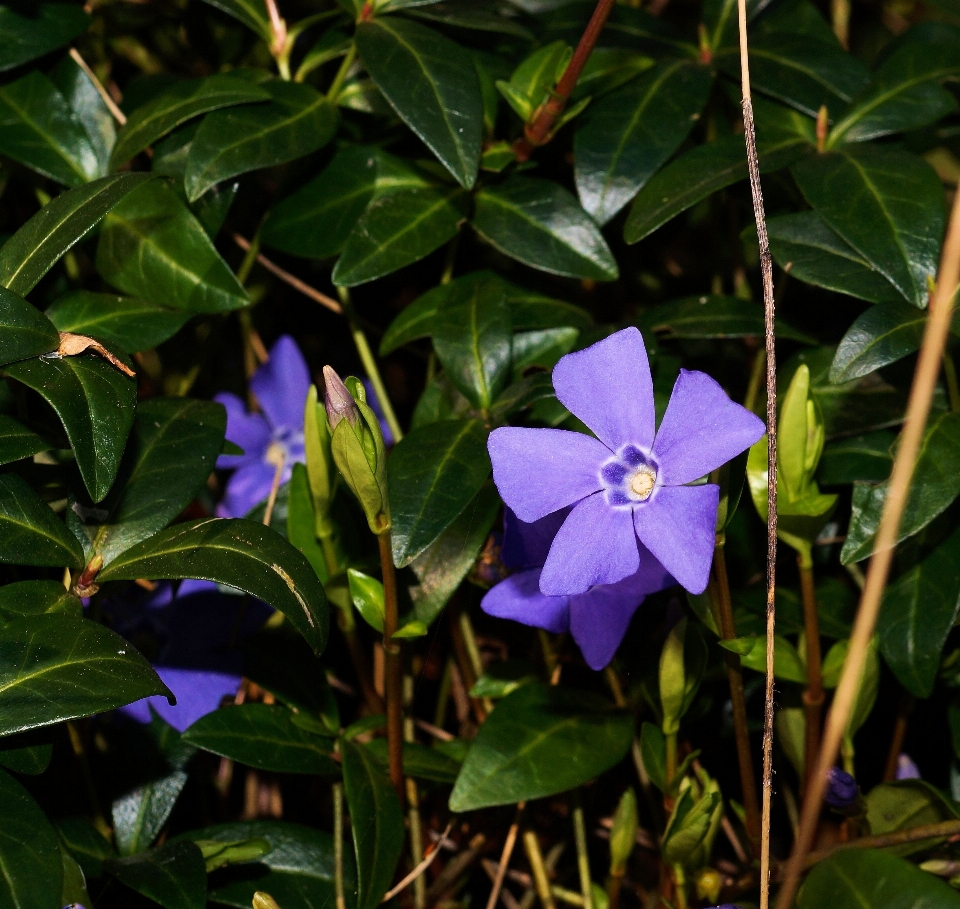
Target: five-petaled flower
point(597, 619)
point(629, 482)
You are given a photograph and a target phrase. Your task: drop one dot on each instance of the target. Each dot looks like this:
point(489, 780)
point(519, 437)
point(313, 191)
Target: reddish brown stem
point(896, 740)
point(393, 673)
point(540, 130)
point(813, 696)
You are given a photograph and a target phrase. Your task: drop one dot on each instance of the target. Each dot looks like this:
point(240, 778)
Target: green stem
point(339, 889)
point(333, 93)
point(393, 669)
point(756, 380)
point(670, 772)
point(370, 365)
point(681, 880)
point(80, 752)
point(413, 801)
point(953, 387)
point(583, 859)
point(249, 259)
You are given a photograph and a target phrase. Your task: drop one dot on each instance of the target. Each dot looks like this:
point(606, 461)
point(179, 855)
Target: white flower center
point(642, 482)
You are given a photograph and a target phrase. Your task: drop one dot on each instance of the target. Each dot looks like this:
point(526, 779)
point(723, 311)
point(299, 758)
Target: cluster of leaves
point(376, 148)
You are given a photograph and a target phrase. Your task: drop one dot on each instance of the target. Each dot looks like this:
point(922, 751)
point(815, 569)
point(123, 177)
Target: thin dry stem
point(918, 408)
point(505, 856)
point(115, 111)
point(421, 868)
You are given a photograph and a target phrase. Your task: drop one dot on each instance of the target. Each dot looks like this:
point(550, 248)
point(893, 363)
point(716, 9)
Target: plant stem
point(670, 740)
point(840, 15)
point(338, 846)
point(80, 752)
point(918, 409)
point(393, 668)
point(613, 891)
point(583, 858)
point(333, 93)
point(896, 740)
point(540, 131)
point(885, 840)
point(953, 387)
point(531, 846)
point(413, 802)
point(813, 695)
point(508, 845)
point(111, 105)
point(738, 701)
point(756, 380)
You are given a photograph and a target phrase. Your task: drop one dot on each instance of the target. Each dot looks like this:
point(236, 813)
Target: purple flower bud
point(842, 788)
point(906, 768)
point(338, 400)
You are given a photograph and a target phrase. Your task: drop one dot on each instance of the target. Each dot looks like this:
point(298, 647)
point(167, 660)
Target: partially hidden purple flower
point(842, 789)
point(191, 634)
point(269, 438)
point(630, 482)
point(906, 768)
point(597, 619)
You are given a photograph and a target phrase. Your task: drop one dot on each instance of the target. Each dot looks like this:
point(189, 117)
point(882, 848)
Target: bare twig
point(272, 498)
point(766, 271)
point(918, 408)
point(426, 863)
point(508, 845)
point(885, 840)
point(115, 111)
point(454, 868)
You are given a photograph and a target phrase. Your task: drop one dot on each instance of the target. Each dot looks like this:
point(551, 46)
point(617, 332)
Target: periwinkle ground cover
point(437, 492)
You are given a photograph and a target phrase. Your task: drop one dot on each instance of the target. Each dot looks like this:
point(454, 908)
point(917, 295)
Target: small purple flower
point(907, 769)
point(842, 789)
point(598, 619)
point(191, 634)
point(630, 481)
point(270, 438)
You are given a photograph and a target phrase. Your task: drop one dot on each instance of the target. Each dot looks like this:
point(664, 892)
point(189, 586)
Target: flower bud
point(623, 833)
point(263, 900)
point(338, 400)
point(906, 768)
point(842, 789)
point(316, 444)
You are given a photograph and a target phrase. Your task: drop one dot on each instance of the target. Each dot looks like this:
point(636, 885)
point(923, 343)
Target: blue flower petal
point(519, 598)
point(526, 545)
point(198, 692)
point(281, 385)
point(248, 430)
point(249, 486)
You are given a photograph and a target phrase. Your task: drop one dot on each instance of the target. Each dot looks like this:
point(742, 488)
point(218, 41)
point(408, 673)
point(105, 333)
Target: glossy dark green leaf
point(139, 816)
point(301, 521)
point(443, 565)
point(540, 224)
point(419, 761)
point(152, 247)
point(885, 203)
point(376, 822)
point(514, 756)
point(317, 219)
point(866, 458)
point(16, 441)
point(434, 472)
point(94, 401)
point(238, 553)
point(804, 244)
point(873, 879)
point(263, 736)
point(173, 448)
point(61, 667)
point(177, 105)
point(174, 875)
point(713, 316)
point(297, 871)
point(117, 322)
point(30, 533)
point(397, 229)
point(31, 872)
point(473, 14)
point(32, 251)
point(472, 339)
point(918, 611)
point(24, 331)
point(86, 844)
point(25, 598)
point(296, 121)
point(38, 129)
point(28, 753)
point(50, 25)
point(935, 484)
point(432, 84)
point(626, 137)
point(89, 108)
point(74, 883)
point(252, 13)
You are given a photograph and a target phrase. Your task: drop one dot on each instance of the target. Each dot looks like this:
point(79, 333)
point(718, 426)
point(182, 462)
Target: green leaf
point(94, 401)
point(84, 100)
point(61, 667)
point(30, 533)
point(31, 872)
point(86, 844)
point(175, 875)
point(32, 251)
point(433, 472)
point(38, 129)
point(301, 519)
point(786, 661)
point(432, 84)
point(178, 104)
point(27, 753)
point(262, 736)
point(252, 13)
point(376, 822)
point(296, 121)
point(918, 611)
point(935, 484)
point(317, 219)
point(539, 223)
point(418, 761)
point(514, 755)
point(475, 15)
point(24, 331)
point(653, 751)
point(812, 252)
point(905, 804)
point(117, 322)
point(367, 596)
point(152, 247)
point(885, 203)
point(397, 229)
point(627, 136)
point(172, 450)
point(864, 457)
point(50, 25)
point(241, 554)
point(18, 442)
point(871, 879)
point(139, 816)
point(297, 871)
point(712, 316)
point(472, 338)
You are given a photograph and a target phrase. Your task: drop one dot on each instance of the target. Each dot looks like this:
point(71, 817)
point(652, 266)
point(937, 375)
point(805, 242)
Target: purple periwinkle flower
point(842, 789)
point(268, 439)
point(191, 634)
point(337, 400)
point(906, 768)
point(630, 482)
point(597, 619)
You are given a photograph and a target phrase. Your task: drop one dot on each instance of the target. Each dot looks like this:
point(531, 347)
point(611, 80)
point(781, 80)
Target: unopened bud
point(842, 789)
point(338, 400)
point(623, 833)
point(263, 900)
point(320, 472)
